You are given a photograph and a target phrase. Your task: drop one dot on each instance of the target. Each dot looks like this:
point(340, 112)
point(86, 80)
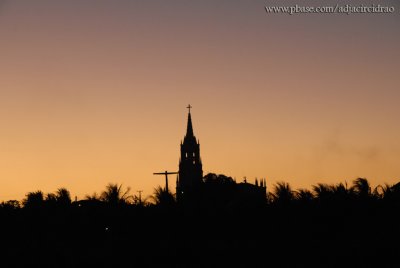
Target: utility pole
point(166, 173)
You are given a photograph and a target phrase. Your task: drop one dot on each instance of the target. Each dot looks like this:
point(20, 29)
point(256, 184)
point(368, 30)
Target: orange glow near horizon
point(92, 94)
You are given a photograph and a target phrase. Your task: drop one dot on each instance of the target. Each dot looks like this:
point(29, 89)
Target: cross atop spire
point(189, 130)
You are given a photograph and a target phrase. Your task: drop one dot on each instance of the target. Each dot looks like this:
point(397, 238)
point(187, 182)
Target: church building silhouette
point(190, 176)
point(192, 187)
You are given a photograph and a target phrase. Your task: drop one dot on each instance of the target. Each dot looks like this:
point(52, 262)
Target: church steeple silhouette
point(189, 130)
point(190, 176)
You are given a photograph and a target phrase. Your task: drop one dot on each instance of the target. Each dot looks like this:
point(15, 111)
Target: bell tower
point(190, 178)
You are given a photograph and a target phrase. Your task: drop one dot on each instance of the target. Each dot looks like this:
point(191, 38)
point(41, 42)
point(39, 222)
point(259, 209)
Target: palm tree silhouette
point(162, 197)
point(381, 190)
point(283, 193)
point(322, 191)
point(304, 195)
point(342, 192)
point(362, 188)
point(114, 195)
point(387, 192)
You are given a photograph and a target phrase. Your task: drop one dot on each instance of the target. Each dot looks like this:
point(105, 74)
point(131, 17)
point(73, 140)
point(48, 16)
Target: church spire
point(190, 166)
point(189, 131)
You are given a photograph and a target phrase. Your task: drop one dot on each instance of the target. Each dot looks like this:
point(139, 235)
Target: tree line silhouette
point(282, 194)
point(329, 225)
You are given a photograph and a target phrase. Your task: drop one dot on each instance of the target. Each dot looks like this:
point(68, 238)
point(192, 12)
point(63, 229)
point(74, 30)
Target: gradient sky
point(93, 92)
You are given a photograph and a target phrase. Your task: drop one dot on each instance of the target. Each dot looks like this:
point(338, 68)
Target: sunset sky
point(95, 91)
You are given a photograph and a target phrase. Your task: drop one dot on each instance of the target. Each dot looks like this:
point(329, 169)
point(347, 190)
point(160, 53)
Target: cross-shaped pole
point(189, 107)
point(166, 173)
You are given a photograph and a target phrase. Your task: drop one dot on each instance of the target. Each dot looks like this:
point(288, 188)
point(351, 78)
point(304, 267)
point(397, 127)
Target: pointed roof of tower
point(189, 130)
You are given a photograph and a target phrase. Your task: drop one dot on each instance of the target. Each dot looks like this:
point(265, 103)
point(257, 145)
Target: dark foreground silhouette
point(330, 226)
